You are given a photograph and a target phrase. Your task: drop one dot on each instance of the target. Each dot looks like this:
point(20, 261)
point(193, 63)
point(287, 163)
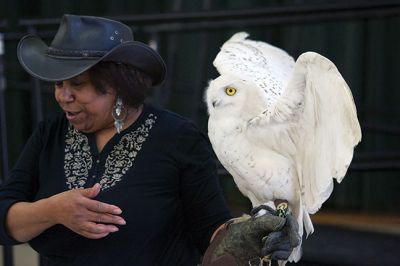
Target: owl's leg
point(255, 211)
point(281, 206)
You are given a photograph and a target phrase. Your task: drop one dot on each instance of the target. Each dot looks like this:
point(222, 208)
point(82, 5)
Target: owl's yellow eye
point(230, 91)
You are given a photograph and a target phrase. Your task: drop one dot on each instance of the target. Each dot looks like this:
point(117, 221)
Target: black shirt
point(160, 171)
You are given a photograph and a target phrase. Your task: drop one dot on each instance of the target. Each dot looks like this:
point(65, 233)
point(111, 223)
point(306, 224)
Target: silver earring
point(119, 114)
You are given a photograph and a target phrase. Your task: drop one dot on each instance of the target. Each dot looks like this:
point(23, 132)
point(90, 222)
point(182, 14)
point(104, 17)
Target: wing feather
point(327, 130)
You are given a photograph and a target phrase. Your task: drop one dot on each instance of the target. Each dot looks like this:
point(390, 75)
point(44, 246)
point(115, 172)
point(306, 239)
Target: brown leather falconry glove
point(248, 241)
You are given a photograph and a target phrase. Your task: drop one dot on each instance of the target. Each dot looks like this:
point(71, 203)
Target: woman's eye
point(76, 83)
point(58, 83)
point(230, 91)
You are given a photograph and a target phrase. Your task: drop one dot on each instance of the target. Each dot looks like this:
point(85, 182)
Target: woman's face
point(85, 108)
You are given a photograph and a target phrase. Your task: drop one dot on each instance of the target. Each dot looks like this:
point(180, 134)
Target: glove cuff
point(226, 259)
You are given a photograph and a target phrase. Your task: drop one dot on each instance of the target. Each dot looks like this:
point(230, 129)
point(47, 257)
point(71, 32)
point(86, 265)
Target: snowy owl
point(283, 129)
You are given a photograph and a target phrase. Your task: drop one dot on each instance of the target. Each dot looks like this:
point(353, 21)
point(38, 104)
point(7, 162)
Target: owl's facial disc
point(222, 93)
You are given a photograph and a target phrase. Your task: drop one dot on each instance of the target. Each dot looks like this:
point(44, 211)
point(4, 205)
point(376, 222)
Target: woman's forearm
point(75, 209)
point(26, 220)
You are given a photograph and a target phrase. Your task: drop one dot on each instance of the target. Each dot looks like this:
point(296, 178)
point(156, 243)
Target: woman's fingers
point(94, 236)
point(95, 231)
point(101, 207)
point(77, 210)
point(103, 213)
point(96, 206)
point(101, 218)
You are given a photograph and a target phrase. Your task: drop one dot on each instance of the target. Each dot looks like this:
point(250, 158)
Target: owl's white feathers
point(288, 130)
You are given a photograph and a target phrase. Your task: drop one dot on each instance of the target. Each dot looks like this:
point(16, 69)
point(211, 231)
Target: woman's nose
point(64, 94)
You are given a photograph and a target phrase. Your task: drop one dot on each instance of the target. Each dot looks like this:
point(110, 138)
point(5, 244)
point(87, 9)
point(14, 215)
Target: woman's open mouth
point(71, 116)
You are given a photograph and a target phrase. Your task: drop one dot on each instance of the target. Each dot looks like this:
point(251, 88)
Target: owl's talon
point(267, 208)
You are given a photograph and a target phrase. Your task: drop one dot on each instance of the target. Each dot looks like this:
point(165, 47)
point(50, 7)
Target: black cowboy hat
point(83, 41)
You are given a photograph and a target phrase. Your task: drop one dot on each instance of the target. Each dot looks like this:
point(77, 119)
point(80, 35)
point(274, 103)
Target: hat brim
point(32, 55)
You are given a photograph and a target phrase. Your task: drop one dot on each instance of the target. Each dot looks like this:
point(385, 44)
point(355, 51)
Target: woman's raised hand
point(77, 210)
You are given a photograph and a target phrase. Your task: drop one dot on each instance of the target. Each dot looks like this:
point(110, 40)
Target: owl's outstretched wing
point(327, 129)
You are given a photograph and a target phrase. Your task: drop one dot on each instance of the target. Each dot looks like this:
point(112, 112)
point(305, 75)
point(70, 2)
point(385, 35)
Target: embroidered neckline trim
point(78, 158)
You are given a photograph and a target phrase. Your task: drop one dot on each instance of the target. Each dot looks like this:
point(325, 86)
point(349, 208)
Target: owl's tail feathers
point(296, 254)
point(303, 219)
point(308, 226)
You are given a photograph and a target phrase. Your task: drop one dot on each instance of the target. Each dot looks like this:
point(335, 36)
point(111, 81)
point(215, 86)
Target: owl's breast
point(228, 144)
point(261, 174)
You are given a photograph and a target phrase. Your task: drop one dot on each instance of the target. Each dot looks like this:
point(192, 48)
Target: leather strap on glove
point(251, 240)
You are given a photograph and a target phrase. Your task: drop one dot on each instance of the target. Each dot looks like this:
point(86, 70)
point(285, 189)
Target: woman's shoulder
point(178, 127)
point(170, 119)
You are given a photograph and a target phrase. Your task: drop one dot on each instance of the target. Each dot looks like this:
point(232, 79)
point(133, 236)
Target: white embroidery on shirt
point(121, 158)
point(78, 159)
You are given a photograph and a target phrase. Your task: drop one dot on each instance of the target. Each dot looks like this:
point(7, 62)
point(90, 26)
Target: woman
point(112, 180)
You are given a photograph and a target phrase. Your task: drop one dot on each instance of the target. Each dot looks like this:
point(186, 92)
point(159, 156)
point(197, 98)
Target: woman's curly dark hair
point(131, 84)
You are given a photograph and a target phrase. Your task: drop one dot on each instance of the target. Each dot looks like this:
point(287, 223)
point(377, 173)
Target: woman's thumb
point(92, 191)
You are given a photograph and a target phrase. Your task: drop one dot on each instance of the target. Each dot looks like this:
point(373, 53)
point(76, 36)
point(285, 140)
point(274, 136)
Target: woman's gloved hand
point(280, 244)
point(249, 240)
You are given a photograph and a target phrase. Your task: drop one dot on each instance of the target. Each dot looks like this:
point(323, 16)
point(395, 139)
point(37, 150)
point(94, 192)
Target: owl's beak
point(215, 103)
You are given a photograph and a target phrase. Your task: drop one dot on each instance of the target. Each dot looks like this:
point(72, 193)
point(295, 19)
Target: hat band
point(74, 54)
